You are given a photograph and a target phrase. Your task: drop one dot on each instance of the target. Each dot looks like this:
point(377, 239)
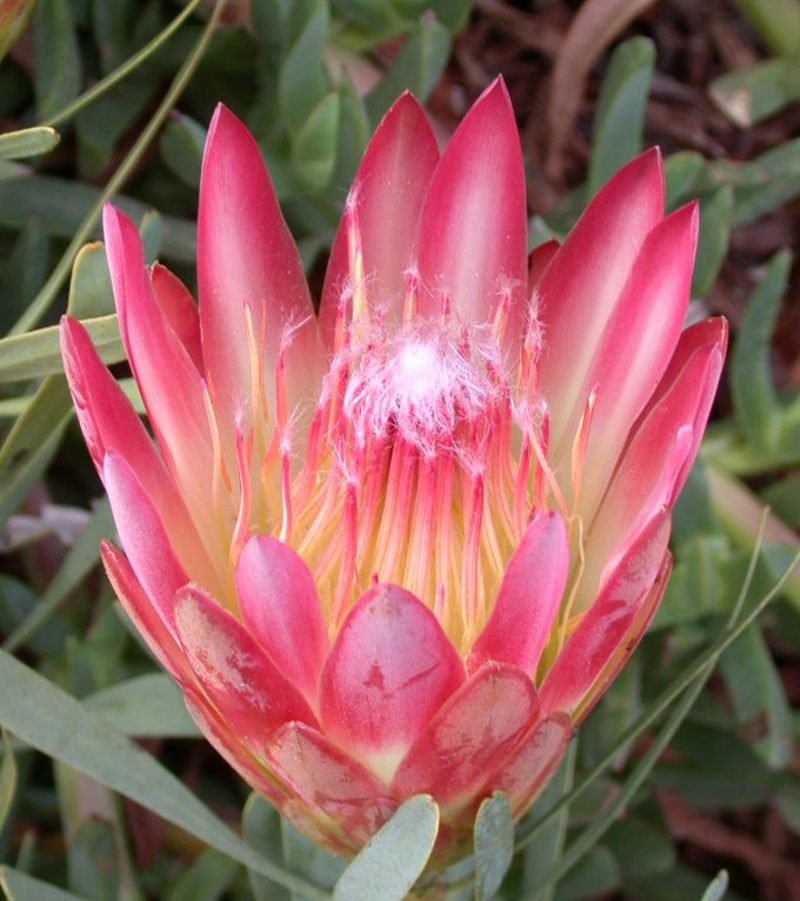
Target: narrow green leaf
point(354, 133)
point(542, 855)
point(758, 697)
point(207, 879)
point(494, 845)
point(751, 95)
point(32, 442)
point(777, 21)
point(640, 847)
point(681, 172)
point(42, 715)
point(390, 863)
point(596, 874)
point(717, 888)
point(181, 148)
point(90, 291)
point(38, 353)
point(619, 122)
point(57, 67)
point(302, 83)
point(8, 779)
point(62, 205)
point(315, 144)
point(715, 233)
point(150, 705)
point(18, 886)
point(781, 168)
point(303, 856)
point(416, 68)
point(100, 128)
point(261, 827)
point(16, 145)
point(755, 403)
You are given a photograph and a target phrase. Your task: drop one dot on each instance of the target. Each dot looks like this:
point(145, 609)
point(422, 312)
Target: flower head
point(405, 546)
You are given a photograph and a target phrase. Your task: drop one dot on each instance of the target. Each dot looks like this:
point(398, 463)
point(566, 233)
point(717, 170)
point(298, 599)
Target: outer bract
point(403, 547)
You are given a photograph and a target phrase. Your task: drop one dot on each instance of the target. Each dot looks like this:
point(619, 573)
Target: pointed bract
point(603, 627)
point(384, 204)
point(390, 668)
point(472, 238)
point(245, 254)
point(582, 284)
point(254, 698)
point(180, 310)
point(143, 538)
point(528, 600)
point(479, 724)
point(280, 606)
point(329, 781)
point(637, 344)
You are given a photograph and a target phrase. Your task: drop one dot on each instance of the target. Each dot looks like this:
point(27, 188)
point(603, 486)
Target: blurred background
point(715, 84)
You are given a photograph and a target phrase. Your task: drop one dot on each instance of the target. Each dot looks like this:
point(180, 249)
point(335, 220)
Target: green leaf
point(715, 769)
point(640, 848)
point(261, 827)
point(32, 442)
point(777, 21)
point(354, 132)
point(751, 95)
point(21, 887)
point(755, 403)
point(100, 127)
point(783, 496)
point(781, 168)
point(302, 83)
point(681, 173)
point(8, 780)
point(541, 855)
point(78, 563)
point(303, 856)
point(390, 863)
point(24, 272)
point(619, 122)
point(16, 145)
point(146, 706)
point(181, 148)
point(596, 874)
point(57, 67)
point(452, 13)
point(758, 697)
point(92, 860)
point(38, 353)
point(416, 68)
point(717, 887)
point(494, 845)
point(42, 715)
point(314, 146)
point(62, 205)
point(207, 879)
point(715, 233)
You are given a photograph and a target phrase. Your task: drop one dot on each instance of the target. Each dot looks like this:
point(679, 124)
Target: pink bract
point(405, 545)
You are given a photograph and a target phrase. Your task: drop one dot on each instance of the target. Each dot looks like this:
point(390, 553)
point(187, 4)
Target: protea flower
point(403, 547)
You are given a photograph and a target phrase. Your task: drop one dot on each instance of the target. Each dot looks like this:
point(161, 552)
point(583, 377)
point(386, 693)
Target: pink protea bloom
point(405, 546)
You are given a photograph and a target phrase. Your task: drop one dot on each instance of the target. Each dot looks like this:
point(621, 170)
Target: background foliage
point(118, 800)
